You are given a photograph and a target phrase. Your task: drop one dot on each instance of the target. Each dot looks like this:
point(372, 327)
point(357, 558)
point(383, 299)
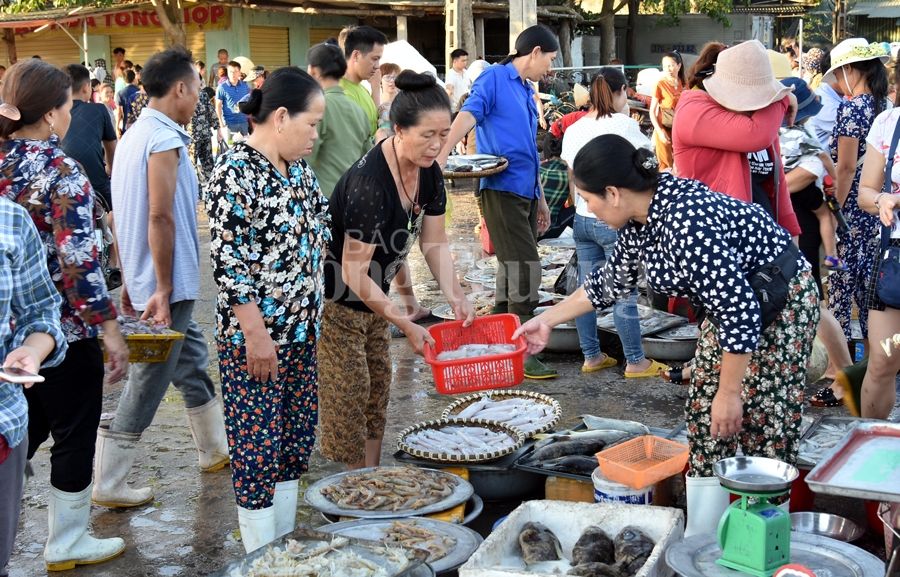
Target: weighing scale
point(755, 535)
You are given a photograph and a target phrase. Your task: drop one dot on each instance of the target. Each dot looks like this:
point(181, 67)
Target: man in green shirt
point(363, 48)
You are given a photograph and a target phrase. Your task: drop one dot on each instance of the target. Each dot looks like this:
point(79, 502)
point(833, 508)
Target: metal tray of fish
point(696, 557)
point(465, 540)
point(688, 332)
point(516, 437)
point(466, 402)
point(315, 498)
point(368, 550)
point(864, 465)
point(558, 242)
point(652, 320)
point(832, 429)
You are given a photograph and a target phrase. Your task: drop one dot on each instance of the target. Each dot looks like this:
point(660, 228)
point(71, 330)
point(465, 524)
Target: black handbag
point(887, 284)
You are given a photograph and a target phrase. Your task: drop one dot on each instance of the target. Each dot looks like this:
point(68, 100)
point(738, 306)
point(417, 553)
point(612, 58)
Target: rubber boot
point(285, 502)
point(851, 380)
point(69, 543)
point(112, 464)
point(208, 429)
point(257, 527)
point(706, 503)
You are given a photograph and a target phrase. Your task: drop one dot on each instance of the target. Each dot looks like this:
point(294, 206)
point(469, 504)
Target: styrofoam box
point(501, 556)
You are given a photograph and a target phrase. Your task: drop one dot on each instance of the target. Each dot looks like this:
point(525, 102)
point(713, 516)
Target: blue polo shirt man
point(228, 95)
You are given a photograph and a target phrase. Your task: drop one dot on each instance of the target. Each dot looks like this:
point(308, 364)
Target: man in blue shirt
point(228, 95)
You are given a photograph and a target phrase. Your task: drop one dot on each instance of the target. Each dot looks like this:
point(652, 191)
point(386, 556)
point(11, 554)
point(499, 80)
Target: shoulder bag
point(887, 285)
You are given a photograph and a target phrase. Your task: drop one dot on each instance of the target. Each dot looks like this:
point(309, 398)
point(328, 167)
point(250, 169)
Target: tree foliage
point(670, 10)
point(19, 6)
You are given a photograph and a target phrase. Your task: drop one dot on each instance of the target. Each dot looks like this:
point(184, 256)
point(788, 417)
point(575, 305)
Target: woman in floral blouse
point(36, 173)
point(269, 226)
point(200, 129)
point(750, 368)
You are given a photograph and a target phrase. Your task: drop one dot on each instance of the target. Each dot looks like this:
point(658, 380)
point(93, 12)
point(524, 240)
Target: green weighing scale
point(754, 535)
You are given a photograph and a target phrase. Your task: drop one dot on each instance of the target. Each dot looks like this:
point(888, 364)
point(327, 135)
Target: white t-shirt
point(880, 136)
point(586, 129)
point(460, 86)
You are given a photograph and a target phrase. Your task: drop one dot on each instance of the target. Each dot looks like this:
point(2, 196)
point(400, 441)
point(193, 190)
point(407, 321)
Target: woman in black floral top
point(747, 383)
point(269, 228)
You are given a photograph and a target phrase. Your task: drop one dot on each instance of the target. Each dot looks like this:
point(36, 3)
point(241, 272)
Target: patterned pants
point(354, 381)
point(857, 250)
point(772, 390)
point(271, 426)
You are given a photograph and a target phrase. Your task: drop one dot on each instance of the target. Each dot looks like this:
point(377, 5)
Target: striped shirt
point(153, 133)
point(27, 295)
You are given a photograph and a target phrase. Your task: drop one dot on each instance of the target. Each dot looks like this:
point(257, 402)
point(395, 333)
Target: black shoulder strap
point(888, 166)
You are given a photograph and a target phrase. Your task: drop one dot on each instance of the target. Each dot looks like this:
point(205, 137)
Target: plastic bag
point(567, 281)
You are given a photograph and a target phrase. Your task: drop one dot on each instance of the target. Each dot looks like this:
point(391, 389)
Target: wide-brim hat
point(808, 104)
point(255, 72)
point(781, 66)
point(581, 95)
point(854, 50)
point(743, 80)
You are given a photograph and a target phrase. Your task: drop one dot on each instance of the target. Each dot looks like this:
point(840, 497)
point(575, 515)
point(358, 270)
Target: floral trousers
point(772, 390)
point(270, 426)
point(857, 249)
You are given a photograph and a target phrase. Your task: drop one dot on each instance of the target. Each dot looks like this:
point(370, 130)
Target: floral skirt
point(772, 390)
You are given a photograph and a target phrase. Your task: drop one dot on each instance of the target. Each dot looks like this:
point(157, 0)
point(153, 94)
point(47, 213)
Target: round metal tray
point(474, 509)
point(315, 499)
point(696, 557)
point(502, 394)
point(517, 436)
point(467, 540)
point(755, 474)
point(827, 525)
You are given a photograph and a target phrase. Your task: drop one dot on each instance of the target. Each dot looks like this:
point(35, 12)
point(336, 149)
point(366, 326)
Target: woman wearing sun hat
point(726, 135)
point(858, 67)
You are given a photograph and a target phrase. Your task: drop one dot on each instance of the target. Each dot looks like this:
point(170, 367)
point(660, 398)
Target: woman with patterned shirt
point(269, 226)
point(36, 173)
point(750, 368)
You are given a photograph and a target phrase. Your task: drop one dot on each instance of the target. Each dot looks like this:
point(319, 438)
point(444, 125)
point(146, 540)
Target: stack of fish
point(524, 413)
point(594, 554)
point(473, 162)
point(458, 440)
point(574, 452)
point(390, 489)
point(822, 440)
point(300, 560)
point(476, 350)
point(409, 534)
point(133, 326)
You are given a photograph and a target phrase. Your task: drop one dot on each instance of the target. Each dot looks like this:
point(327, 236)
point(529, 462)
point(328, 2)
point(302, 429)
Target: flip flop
point(607, 362)
point(654, 370)
point(825, 398)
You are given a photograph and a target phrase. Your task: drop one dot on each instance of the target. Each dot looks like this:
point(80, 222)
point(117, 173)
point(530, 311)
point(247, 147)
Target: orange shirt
point(666, 94)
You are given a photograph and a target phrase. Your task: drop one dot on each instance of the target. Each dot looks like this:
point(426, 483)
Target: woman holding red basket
point(393, 196)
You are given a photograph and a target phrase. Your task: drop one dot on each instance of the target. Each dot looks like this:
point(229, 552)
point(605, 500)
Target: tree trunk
point(171, 16)
point(607, 32)
point(634, 7)
point(565, 41)
point(9, 38)
point(467, 29)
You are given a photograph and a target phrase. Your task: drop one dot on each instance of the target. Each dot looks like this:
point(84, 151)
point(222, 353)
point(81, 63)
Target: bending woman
point(750, 368)
point(392, 197)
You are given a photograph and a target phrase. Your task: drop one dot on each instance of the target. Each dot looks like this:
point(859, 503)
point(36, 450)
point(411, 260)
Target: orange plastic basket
point(642, 462)
point(480, 373)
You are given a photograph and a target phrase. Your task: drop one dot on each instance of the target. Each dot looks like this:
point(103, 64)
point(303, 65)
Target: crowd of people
point(322, 186)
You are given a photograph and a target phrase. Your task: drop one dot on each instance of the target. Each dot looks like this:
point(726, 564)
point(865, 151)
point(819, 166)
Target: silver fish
point(607, 436)
point(592, 422)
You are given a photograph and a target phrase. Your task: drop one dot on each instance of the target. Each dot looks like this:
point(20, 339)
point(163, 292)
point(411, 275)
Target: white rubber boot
point(69, 543)
point(208, 429)
point(112, 464)
point(257, 527)
point(285, 503)
point(706, 503)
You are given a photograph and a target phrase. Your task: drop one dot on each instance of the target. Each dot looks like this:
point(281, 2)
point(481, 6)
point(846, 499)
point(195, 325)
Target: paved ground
point(191, 527)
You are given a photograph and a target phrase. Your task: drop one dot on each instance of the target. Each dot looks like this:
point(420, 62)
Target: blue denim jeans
point(594, 244)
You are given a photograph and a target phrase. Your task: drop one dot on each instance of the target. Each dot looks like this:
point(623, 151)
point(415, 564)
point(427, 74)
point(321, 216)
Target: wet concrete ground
point(191, 526)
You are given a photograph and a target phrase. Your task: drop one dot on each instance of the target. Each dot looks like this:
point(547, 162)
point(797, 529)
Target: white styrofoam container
point(501, 556)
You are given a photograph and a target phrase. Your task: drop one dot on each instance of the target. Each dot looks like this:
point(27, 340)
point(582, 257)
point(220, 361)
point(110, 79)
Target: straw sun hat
point(743, 80)
point(854, 50)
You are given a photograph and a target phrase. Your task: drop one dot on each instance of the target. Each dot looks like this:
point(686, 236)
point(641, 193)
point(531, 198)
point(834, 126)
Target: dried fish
point(409, 534)
point(539, 544)
point(476, 350)
point(314, 559)
point(390, 489)
point(459, 440)
point(525, 414)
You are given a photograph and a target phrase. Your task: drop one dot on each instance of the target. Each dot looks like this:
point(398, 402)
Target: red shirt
point(558, 128)
point(711, 145)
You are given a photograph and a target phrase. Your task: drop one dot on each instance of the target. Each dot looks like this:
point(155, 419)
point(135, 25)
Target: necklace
point(414, 208)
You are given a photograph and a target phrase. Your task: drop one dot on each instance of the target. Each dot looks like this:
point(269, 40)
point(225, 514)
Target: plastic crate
point(148, 348)
point(480, 373)
point(642, 462)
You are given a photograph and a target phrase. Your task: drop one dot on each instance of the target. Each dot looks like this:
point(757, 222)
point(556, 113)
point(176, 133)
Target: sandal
point(825, 398)
point(654, 370)
point(676, 374)
point(607, 362)
point(834, 263)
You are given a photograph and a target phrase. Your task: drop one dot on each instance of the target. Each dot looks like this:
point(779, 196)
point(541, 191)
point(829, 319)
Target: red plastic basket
point(480, 373)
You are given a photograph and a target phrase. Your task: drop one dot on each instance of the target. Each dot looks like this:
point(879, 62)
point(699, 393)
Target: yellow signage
point(197, 17)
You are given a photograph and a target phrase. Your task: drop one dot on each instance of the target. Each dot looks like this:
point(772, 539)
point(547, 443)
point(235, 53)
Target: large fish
point(574, 464)
point(587, 445)
point(633, 548)
point(596, 570)
point(594, 546)
point(538, 544)
point(608, 436)
point(592, 422)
